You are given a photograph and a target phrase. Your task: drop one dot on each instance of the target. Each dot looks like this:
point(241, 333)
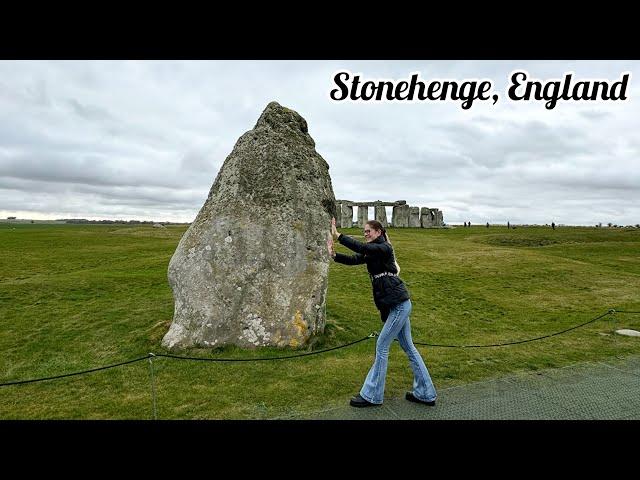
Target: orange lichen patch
point(300, 328)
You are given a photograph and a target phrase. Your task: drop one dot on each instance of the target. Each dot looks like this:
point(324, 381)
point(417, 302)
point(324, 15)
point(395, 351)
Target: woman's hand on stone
point(332, 252)
point(334, 231)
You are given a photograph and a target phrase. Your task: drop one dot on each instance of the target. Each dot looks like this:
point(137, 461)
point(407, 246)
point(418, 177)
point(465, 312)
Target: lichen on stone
point(256, 244)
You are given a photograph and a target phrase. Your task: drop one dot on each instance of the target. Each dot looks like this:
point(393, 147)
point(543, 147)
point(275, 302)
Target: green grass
point(75, 297)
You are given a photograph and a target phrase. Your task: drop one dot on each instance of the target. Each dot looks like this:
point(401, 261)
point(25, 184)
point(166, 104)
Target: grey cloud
point(89, 169)
point(517, 142)
point(58, 197)
point(134, 138)
point(197, 161)
point(90, 112)
point(594, 115)
point(38, 93)
point(619, 183)
point(144, 195)
point(34, 93)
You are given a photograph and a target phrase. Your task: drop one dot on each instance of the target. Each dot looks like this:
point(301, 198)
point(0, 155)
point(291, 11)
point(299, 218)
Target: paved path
point(588, 391)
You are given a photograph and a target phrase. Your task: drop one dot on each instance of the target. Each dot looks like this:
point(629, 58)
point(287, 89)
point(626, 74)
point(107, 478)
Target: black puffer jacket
point(378, 255)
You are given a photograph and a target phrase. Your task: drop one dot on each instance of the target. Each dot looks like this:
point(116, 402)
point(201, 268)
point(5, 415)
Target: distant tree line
point(132, 222)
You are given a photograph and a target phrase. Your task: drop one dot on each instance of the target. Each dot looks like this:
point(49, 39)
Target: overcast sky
point(145, 139)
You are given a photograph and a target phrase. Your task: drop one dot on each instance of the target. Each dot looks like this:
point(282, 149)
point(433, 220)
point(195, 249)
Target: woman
point(392, 300)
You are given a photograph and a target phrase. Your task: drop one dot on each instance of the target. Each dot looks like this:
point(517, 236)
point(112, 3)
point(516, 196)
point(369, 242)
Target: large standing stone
point(339, 215)
point(347, 216)
point(414, 217)
point(380, 215)
point(426, 217)
point(400, 216)
point(363, 216)
point(439, 218)
point(251, 270)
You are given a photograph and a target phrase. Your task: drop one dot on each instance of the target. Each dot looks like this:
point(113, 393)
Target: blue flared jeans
point(397, 326)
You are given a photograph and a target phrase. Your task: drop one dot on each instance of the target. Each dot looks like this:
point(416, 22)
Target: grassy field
point(75, 297)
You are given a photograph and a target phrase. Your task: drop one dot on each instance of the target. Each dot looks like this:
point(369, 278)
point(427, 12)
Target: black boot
point(358, 401)
point(409, 396)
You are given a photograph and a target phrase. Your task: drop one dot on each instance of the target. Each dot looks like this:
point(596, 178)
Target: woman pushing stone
point(392, 300)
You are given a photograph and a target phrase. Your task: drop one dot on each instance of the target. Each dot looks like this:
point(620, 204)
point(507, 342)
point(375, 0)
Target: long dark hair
point(376, 225)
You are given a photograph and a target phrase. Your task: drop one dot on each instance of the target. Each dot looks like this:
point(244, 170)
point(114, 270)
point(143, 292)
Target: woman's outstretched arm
point(373, 249)
point(356, 259)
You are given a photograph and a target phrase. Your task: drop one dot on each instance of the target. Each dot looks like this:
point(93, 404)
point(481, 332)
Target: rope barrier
point(374, 334)
point(150, 356)
point(609, 312)
point(18, 382)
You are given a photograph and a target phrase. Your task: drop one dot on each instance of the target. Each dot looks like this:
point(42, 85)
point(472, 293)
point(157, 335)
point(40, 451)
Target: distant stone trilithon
point(252, 268)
